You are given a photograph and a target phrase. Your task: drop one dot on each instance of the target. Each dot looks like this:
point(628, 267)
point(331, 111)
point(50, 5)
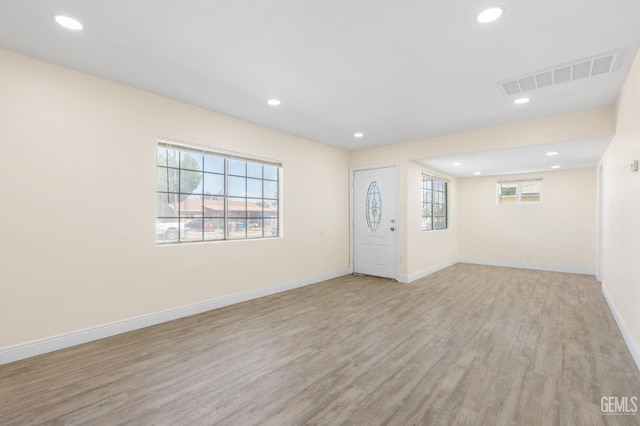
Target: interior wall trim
point(406, 279)
point(631, 344)
point(435, 268)
point(535, 266)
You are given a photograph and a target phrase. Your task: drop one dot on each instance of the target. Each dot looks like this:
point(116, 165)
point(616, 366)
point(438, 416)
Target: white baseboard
point(631, 344)
point(62, 341)
point(553, 268)
point(406, 279)
point(522, 265)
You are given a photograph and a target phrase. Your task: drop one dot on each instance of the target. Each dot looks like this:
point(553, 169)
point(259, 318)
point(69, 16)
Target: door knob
point(392, 228)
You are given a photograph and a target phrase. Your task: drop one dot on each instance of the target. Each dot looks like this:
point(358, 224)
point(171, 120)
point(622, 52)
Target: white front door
point(374, 222)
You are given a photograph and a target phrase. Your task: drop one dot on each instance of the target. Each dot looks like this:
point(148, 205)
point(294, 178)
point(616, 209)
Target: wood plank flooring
point(469, 345)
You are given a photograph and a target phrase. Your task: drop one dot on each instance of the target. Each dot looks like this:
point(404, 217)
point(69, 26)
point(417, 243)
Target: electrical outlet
point(634, 166)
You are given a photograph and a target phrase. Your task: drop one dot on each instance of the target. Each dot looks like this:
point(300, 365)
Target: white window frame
point(423, 189)
point(225, 218)
point(518, 183)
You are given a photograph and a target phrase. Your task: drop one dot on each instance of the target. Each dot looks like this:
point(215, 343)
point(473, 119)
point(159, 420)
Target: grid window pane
point(161, 179)
point(270, 211)
point(190, 234)
point(512, 199)
point(270, 189)
point(161, 157)
point(171, 199)
point(254, 207)
point(254, 170)
point(531, 186)
point(213, 206)
point(254, 188)
point(271, 228)
point(190, 206)
point(213, 164)
point(213, 184)
point(168, 204)
point(163, 207)
point(237, 168)
point(167, 180)
point(190, 182)
point(238, 229)
point(173, 158)
point(173, 180)
point(190, 161)
point(255, 228)
point(237, 186)
point(530, 198)
point(207, 197)
point(213, 229)
point(508, 192)
point(167, 229)
point(530, 191)
point(270, 172)
point(237, 207)
point(509, 189)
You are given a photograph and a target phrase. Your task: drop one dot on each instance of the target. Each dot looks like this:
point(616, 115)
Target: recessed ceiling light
point(456, 163)
point(521, 101)
point(552, 153)
point(358, 135)
point(555, 167)
point(68, 23)
point(477, 173)
point(274, 102)
point(489, 15)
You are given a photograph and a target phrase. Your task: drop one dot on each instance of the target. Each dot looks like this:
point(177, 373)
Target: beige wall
point(557, 233)
point(77, 182)
point(621, 211)
point(585, 125)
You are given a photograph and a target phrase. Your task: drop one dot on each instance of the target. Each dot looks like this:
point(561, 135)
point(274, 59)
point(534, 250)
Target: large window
point(519, 191)
point(434, 203)
point(205, 195)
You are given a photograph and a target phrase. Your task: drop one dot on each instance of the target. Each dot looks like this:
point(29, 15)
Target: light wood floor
point(471, 344)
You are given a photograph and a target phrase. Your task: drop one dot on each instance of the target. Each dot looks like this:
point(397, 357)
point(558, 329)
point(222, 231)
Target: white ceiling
point(529, 159)
point(396, 70)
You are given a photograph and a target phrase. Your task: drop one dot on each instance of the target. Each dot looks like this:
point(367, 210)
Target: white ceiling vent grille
point(584, 68)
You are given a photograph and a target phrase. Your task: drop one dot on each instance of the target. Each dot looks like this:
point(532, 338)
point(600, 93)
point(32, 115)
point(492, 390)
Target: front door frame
point(352, 174)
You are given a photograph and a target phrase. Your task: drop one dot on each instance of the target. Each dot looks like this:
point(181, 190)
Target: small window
point(519, 191)
point(434, 203)
point(204, 195)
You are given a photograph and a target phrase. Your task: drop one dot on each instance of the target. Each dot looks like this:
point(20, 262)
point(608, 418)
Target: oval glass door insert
point(373, 207)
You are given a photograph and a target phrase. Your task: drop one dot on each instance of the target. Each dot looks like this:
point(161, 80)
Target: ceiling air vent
point(584, 68)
